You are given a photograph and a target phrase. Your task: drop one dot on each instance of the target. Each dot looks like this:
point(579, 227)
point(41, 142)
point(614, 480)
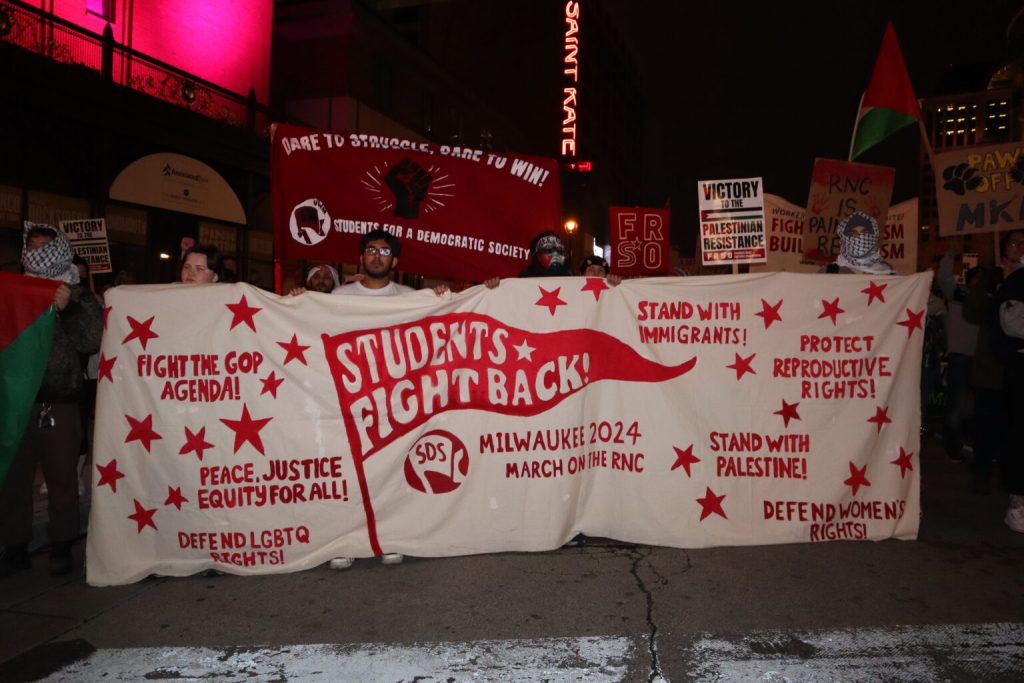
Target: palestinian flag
point(889, 103)
point(27, 319)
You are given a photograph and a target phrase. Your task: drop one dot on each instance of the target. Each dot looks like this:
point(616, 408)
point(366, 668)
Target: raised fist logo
point(409, 182)
point(960, 178)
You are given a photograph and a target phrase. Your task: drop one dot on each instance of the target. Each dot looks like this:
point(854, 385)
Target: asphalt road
point(949, 606)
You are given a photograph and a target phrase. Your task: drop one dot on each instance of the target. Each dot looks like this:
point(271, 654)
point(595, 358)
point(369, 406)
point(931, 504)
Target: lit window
point(104, 9)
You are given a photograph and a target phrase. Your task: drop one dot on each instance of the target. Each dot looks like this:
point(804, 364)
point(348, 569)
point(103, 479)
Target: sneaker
point(1015, 518)
point(340, 563)
point(577, 540)
point(61, 562)
point(15, 559)
point(392, 558)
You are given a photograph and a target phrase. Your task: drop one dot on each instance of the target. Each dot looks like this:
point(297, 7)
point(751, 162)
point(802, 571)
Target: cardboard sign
point(88, 239)
point(839, 188)
point(731, 221)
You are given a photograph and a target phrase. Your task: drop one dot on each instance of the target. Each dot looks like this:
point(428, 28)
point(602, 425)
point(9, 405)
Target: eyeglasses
point(374, 251)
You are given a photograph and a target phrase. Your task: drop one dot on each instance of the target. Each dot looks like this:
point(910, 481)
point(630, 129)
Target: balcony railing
point(60, 40)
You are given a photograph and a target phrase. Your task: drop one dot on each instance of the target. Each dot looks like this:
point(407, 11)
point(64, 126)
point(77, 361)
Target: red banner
point(460, 213)
point(639, 240)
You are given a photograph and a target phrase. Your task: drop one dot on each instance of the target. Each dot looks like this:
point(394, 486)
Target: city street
point(946, 607)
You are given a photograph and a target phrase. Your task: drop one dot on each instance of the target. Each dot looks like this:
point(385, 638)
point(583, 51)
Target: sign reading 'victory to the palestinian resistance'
point(731, 221)
point(252, 433)
point(460, 213)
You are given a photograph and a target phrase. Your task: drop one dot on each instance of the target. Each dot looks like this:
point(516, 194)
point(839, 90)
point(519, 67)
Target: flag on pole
point(27, 321)
point(889, 103)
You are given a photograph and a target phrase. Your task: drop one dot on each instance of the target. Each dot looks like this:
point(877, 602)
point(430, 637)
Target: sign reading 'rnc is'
point(731, 221)
point(686, 412)
point(460, 213)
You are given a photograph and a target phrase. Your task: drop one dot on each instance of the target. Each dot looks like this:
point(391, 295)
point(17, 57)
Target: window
point(104, 9)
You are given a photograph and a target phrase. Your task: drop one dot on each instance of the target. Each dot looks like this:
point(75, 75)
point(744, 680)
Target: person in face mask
point(547, 257)
point(859, 242)
point(54, 431)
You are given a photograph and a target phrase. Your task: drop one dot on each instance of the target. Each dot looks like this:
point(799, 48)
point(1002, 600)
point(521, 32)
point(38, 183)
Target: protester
point(859, 247)
point(378, 255)
point(961, 340)
point(597, 266)
point(201, 265)
point(54, 432)
point(1010, 345)
point(320, 278)
point(547, 257)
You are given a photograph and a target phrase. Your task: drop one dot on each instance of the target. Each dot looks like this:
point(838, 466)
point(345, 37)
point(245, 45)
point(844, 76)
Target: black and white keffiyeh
point(860, 251)
point(52, 261)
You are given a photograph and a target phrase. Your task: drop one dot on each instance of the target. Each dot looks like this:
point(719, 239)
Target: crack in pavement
point(642, 555)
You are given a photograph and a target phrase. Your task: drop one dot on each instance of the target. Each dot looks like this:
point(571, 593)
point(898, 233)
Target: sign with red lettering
point(838, 188)
point(785, 229)
point(460, 213)
point(731, 221)
point(250, 433)
point(639, 240)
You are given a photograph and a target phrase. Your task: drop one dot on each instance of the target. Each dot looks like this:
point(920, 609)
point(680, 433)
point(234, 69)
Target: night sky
point(736, 89)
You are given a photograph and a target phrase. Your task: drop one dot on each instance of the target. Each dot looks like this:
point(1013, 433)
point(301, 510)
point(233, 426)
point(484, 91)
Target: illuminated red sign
point(571, 71)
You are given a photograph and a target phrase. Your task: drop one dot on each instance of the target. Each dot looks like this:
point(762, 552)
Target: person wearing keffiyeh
point(859, 241)
point(54, 432)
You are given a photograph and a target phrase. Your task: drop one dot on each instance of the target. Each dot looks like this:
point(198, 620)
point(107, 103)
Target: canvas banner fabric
point(252, 433)
point(461, 213)
point(980, 189)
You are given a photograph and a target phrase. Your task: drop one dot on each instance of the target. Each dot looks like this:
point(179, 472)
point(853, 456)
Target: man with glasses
point(379, 251)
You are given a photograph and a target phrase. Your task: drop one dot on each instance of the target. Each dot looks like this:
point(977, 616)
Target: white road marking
point(953, 652)
point(562, 659)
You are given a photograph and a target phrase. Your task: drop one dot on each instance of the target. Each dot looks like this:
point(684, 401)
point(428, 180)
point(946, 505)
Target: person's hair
point(594, 261)
point(538, 238)
point(374, 235)
point(1004, 241)
point(44, 230)
point(212, 254)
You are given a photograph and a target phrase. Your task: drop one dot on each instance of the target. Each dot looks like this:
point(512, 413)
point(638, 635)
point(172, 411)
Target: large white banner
point(253, 433)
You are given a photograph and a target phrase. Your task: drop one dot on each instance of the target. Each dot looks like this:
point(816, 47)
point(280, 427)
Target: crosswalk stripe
point(563, 659)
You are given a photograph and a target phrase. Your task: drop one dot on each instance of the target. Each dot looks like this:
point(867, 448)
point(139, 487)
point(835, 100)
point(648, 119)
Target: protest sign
point(731, 221)
point(252, 433)
point(839, 188)
point(88, 239)
point(980, 189)
point(461, 213)
point(639, 240)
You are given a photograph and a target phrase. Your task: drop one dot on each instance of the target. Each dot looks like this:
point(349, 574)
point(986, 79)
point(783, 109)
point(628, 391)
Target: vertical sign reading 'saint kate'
point(571, 71)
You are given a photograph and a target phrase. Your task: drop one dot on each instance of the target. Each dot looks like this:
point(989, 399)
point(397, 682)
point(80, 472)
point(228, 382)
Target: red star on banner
point(141, 430)
point(106, 316)
point(832, 309)
point(684, 458)
point(109, 475)
point(550, 299)
point(881, 417)
point(742, 366)
point(270, 384)
point(174, 497)
point(595, 285)
point(296, 351)
point(788, 412)
point(711, 504)
point(247, 429)
point(875, 292)
point(140, 331)
point(242, 312)
point(913, 322)
point(770, 313)
point(106, 365)
point(858, 478)
point(195, 442)
point(143, 517)
point(904, 462)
